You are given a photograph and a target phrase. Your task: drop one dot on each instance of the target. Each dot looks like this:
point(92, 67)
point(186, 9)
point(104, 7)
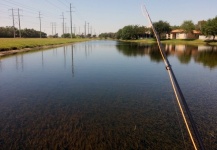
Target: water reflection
point(55, 52)
point(206, 55)
point(118, 104)
point(88, 49)
point(19, 62)
point(64, 52)
point(42, 58)
point(19, 59)
point(207, 58)
point(72, 51)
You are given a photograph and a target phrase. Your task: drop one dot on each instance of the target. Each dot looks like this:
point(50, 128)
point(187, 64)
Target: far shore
point(175, 41)
point(22, 50)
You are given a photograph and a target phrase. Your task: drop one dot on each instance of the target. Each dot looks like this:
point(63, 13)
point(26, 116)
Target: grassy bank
point(175, 41)
point(7, 44)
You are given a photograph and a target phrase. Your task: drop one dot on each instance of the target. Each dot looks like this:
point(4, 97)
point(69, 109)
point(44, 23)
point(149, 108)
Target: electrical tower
point(40, 22)
point(52, 27)
point(88, 28)
point(55, 25)
point(71, 18)
point(12, 10)
point(19, 22)
point(63, 23)
point(85, 29)
point(74, 29)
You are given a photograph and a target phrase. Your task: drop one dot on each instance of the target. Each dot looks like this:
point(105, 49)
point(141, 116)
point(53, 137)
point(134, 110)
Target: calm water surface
point(106, 95)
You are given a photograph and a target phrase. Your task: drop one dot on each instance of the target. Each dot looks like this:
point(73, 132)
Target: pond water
point(106, 95)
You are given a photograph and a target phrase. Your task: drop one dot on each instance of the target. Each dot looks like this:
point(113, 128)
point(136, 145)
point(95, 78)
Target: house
point(181, 34)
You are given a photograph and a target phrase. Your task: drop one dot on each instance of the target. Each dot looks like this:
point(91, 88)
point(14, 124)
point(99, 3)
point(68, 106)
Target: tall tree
point(142, 31)
point(7, 32)
point(119, 34)
point(188, 26)
point(107, 35)
point(210, 27)
point(162, 27)
point(199, 25)
point(128, 32)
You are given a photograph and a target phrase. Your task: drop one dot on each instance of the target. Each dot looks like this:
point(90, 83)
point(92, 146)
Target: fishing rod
point(183, 106)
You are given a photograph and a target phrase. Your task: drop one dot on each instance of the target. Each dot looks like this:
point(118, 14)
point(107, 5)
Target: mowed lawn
point(19, 43)
point(175, 41)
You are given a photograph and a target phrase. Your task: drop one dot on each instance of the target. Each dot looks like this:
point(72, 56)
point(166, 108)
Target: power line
point(28, 8)
point(19, 4)
point(53, 4)
point(67, 1)
point(63, 3)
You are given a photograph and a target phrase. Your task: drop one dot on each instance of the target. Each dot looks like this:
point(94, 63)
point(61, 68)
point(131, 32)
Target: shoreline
point(9, 52)
point(177, 41)
point(37, 48)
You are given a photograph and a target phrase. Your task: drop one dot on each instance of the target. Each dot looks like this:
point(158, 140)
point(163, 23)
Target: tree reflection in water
point(206, 55)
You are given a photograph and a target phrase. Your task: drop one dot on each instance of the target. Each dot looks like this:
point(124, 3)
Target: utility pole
point(74, 28)
point(52, 25)
point(12, 10)
point(19, 22)
point(63, 23)
point(85, 29)
point(88, 28)
point(55, 27)
point(65, 28)
point(40, 22)
point(71, 18)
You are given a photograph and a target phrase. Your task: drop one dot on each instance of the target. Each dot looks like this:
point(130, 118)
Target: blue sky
point(102, 15)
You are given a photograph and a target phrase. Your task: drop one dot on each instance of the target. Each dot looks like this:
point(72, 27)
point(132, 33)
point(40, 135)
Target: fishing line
point(180, 126)
point(177, 91)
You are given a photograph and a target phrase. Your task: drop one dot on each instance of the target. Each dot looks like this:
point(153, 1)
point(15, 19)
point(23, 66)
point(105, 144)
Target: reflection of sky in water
point(90, 95)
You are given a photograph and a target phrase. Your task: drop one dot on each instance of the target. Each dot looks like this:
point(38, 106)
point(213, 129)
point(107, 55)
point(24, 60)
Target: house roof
point(181, 31)
point(196, 32)
point(177, 31)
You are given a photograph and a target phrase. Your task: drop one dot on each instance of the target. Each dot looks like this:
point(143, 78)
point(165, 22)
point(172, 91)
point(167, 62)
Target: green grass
point(175, 41)
point(19, 43)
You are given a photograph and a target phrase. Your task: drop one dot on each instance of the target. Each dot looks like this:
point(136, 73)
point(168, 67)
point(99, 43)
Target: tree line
point(8, 32)
point(133, 32)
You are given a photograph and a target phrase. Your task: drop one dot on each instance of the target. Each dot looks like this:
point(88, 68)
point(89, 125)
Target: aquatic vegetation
point(91, 96)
